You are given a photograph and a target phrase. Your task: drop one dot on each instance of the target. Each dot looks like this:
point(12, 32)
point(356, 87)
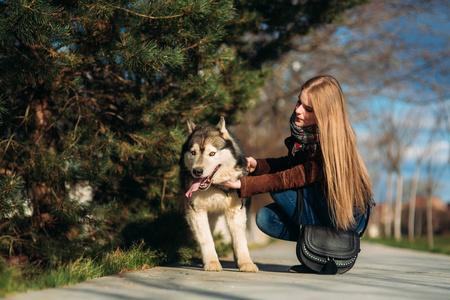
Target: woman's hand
point(232, 184)
point(251, 164)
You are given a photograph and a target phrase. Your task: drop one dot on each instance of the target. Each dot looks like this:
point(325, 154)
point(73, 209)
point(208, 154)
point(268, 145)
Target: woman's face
point(304, 113)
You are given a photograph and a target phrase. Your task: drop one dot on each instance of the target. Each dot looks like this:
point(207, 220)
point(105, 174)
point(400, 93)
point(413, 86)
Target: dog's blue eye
point(193, 152)
point(212, 153)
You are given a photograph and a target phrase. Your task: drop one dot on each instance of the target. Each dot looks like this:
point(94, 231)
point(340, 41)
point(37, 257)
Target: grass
point(27, 278)
point(143, 241)
point(441, 243)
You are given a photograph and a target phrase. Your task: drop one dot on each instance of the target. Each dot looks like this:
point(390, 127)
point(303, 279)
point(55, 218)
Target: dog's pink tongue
point(194, 187)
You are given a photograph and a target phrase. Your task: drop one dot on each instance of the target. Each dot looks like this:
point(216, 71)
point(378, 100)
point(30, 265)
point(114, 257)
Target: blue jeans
point(280, 219)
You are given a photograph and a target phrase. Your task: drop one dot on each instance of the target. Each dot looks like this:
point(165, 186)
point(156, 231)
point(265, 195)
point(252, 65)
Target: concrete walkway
point(380, 273)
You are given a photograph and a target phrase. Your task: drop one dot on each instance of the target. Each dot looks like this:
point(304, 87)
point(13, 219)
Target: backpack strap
point(368, 212)
point(300, 207)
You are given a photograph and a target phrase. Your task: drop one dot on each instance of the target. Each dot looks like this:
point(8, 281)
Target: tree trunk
point(398, 208)
point(430, 222)
point(419, 223)
point(412, 203)
point(388, 210)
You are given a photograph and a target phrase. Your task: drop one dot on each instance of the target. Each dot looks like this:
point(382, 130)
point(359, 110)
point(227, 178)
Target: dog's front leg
point(236, 220)
point(198, 221)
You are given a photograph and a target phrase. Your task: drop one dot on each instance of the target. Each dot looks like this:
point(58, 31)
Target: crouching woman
point(322, 164)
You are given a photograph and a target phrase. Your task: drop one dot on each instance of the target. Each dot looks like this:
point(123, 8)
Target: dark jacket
point(287, 172)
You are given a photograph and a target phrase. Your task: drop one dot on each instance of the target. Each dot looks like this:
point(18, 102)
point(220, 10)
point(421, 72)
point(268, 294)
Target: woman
point(322, 163)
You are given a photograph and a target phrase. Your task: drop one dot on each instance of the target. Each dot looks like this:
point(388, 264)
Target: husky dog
point(212, 155)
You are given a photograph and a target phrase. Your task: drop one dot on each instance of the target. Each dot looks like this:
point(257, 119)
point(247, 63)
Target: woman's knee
point(263, 217)
point(270, 220)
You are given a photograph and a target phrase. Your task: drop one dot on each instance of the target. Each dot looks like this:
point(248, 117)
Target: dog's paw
point(248, 267)
point(213, 266)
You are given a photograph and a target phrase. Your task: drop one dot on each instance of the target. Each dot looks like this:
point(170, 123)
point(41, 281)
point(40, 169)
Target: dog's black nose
point(197, 171)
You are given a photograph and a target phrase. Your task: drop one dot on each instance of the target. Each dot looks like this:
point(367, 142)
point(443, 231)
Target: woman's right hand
point(251, 164)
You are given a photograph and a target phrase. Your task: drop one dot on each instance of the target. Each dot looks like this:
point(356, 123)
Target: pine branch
point(39, 12)
point(187, 12)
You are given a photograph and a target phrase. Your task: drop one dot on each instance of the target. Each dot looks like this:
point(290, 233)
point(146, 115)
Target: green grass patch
point(441, 243)
point(27, 278)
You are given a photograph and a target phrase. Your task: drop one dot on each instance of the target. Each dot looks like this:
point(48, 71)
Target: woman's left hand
point(232, 184)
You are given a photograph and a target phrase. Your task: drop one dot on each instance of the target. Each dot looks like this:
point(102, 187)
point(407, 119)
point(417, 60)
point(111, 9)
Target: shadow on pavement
point(228, 265)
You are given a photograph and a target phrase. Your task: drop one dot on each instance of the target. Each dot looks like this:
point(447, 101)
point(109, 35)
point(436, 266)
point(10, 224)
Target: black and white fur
point(206, 148)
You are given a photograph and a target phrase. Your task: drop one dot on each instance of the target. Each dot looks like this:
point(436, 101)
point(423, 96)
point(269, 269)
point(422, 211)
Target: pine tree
point(97, 93)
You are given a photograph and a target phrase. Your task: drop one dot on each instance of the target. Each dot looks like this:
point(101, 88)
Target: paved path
point(379, 273)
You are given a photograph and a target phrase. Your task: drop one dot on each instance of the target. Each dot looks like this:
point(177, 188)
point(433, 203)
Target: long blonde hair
point(347, 181)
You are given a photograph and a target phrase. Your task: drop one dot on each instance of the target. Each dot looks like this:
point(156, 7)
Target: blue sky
point(438, 147)
point(425, 33)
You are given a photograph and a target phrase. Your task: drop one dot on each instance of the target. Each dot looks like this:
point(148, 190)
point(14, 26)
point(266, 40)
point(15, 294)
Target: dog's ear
point(222, 129)
point(191, 125)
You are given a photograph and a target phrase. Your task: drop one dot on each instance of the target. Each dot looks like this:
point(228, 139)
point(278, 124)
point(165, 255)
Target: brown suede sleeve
point(295, 177)
point(262, 167)
point(270, 165)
